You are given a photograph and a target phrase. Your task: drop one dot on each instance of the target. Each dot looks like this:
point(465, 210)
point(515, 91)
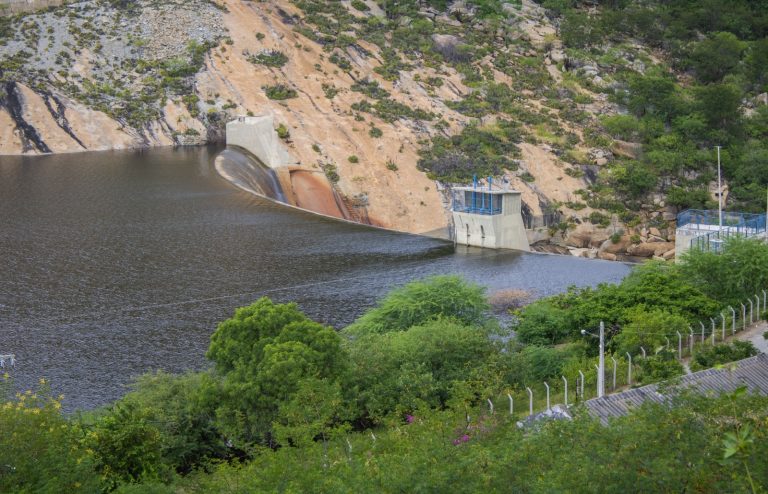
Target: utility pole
point(719, 193)
point(601, 366)
point(601, 378)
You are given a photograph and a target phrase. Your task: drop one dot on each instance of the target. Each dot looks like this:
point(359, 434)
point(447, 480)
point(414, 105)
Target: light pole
point(719, 195)
point(601, 366)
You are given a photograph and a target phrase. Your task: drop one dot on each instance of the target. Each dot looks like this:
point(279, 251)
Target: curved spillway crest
point(297, 186)
point(247, 172)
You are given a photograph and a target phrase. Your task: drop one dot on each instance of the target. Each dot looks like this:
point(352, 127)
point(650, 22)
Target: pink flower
point(409, 419)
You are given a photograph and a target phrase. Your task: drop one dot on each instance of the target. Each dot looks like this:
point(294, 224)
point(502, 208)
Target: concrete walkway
point(755, 335)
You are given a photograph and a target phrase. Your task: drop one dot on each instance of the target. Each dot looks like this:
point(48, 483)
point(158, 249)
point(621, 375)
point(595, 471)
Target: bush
point(269, 58)
point(375, 132)
point(543, 323)
point(406, 370)
point(279, 92)
point(353, 159)
point(710, 356)
point(659, 367)
point(598, 218)
point(39, 448)
point(283, 132)
point(421, 301)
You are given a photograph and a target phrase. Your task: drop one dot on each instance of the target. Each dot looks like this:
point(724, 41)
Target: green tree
point(716, 56)
point(183, 409)
point(405, 370)
point(719, 105)
point(127, 446)
point(261, 355)
point(542, 323)
point(647, 328)
point(738, 272)
point(421, 301)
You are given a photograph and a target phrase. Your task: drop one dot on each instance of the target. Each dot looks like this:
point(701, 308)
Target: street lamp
point(601, 367)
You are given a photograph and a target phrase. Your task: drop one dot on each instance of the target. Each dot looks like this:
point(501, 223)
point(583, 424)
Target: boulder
point(654, 231)
point(762, 98)
point(598, 238)
point(557, 56)
point(607, 256)
point(445, 40)
point(667, 216)
point(647, 249)
point(578, 239)
point(670, 254)
point(618, 247)
point(578, 252)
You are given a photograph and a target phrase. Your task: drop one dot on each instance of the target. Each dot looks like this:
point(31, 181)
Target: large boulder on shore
point(616, 247)
point(650, 249)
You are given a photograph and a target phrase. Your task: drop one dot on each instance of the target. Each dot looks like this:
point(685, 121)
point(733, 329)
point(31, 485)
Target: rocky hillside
point(384, 97)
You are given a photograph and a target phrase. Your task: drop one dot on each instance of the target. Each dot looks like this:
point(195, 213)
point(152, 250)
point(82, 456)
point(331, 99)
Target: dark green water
point(114, 264)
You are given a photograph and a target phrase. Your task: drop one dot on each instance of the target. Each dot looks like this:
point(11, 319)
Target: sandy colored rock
point(606, 256)
point(618, 247)
point(9, 137)
point(650, 249)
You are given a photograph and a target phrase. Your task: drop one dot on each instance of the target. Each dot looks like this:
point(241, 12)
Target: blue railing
point(735, 223)
point(476, 210)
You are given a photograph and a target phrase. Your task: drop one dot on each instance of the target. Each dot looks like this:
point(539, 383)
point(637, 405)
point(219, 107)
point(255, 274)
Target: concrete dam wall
point(257, 162)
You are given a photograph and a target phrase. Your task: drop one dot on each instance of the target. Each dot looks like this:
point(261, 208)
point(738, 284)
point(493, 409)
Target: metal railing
point(733, 222)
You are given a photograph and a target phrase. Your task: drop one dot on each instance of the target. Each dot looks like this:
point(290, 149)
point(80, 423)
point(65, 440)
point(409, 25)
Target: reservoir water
point(118, 263)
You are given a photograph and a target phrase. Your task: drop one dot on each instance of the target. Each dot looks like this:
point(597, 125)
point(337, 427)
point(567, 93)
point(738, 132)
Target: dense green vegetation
point(397, 401)
point(708, 99)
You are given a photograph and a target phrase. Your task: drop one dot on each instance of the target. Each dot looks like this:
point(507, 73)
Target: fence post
point(690, 343)
point(751, 312)
point(713, 330)
point(546, 385)
point(722, 316)
point(511, 404)
point(733, 315)
point(629, 370)
point(642, 350)
point(744, 315)
point(530, 401)
point(614, 373)
point(679, 346)
point(757, 298)
point(582, 385)
point(490, 405)
point(702, 331)
point(667, 347)
point(565, 382)
point(765, 301)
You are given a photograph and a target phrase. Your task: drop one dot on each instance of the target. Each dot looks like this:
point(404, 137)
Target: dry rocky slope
point(115, 74)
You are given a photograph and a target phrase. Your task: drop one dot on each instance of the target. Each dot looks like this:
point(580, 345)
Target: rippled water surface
point(114, 264)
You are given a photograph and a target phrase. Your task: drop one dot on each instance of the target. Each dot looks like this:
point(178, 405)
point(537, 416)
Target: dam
point(255, 153)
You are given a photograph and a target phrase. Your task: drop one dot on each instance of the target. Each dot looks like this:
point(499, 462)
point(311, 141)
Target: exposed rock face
point(91, 77)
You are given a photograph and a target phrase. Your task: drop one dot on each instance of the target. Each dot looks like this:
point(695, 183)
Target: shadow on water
point(246, 171)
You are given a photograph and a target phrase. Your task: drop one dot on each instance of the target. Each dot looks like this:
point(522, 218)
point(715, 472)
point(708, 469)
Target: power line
point(251, 294)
